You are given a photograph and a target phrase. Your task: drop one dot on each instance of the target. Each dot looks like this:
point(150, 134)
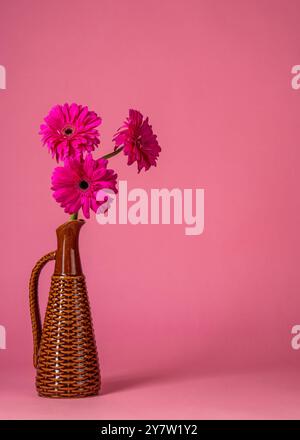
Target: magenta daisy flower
point(75, 185)
point(70, 130)
point(138, 141)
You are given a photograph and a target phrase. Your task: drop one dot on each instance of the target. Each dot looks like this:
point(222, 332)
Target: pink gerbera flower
point(70, 130)
point(76, 184)
point(138, 141)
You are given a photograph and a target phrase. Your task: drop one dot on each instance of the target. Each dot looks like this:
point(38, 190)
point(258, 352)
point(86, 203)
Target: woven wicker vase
point(65, 353)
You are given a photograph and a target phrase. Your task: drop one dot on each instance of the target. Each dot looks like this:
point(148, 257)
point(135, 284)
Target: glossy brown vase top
point(67, 261)
point(65, 352)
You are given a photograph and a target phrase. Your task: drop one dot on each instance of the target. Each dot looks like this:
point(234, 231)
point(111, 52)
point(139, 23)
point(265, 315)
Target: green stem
point(74, 216)
point(114, 153)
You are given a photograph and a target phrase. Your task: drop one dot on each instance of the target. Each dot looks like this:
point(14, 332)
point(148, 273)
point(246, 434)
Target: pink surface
point(165, 394)
point(218, 308)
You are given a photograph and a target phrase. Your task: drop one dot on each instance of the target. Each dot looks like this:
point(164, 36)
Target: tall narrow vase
point(65, 353)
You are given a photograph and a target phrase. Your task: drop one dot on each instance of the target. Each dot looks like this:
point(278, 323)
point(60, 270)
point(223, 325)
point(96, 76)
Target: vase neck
point(67, 254)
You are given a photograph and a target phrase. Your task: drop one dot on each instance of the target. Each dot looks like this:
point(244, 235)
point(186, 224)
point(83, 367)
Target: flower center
point(83, 184)
point(137, 141)
point(68, 130)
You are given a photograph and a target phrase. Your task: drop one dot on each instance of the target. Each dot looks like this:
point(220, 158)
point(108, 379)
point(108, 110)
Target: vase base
point(66, 395)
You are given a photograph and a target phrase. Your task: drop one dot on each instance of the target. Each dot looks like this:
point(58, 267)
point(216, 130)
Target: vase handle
point(34, 304)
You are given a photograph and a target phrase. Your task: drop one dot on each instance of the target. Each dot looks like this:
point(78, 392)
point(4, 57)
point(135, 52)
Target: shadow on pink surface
point(131, 381)
point(173, 393)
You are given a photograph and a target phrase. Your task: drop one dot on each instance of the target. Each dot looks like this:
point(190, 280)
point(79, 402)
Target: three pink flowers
point(71, 135)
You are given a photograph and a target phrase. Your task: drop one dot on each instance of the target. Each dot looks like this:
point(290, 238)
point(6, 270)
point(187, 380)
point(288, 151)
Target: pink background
point(186, 326)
